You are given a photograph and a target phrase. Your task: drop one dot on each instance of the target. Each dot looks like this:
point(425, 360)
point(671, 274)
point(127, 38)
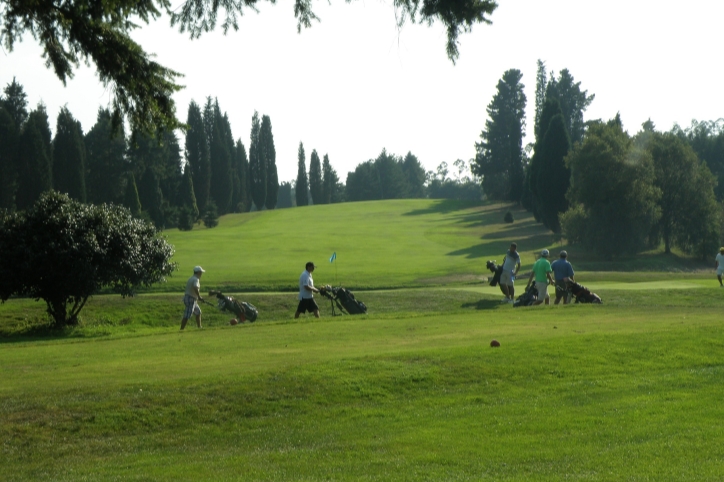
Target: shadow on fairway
point(486, 304)
point(445, 206)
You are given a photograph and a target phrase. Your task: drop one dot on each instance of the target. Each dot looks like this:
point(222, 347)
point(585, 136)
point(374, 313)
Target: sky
point(354, 83)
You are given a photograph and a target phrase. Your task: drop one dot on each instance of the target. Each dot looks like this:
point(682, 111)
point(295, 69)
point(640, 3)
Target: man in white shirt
point(511, 266)
point(191, 296)
point(720, 266)
point(306, 292)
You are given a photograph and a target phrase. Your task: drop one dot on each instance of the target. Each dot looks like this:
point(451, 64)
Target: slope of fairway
point(378, 244)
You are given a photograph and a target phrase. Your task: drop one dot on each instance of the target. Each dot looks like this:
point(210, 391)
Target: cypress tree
point(221, 179)
point(69, 157)
point(327, 182)
point(551, 108)
point(257, 168)
point(268, 156)
point(285, 195)
point(554, 177)
point(149, 192)
point(301, 186)
point(187, 197)
point(106, 161)
point(315, 178)
point(15, 103)
point(8, 160)
point(242, 165)
point(131, 199)
point(35, 173)
point(197, 155)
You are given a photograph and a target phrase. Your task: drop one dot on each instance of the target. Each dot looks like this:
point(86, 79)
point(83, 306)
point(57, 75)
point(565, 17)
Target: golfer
point(542, 271)
point(306, 292)
point(720, 266)
point(511, 266)
point(191, 298)
point(562, 272)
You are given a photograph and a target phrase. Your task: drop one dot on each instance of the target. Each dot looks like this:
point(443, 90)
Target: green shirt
point(540, 268)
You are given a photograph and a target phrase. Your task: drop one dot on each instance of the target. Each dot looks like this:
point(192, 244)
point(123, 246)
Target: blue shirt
point(562, 269)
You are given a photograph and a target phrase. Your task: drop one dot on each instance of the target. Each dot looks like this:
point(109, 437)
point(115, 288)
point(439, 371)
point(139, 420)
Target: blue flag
point(334, 256)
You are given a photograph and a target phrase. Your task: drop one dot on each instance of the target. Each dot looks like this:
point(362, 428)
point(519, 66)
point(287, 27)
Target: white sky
point(353, 84)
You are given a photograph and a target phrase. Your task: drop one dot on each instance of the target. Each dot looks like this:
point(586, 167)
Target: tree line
point(592, 182)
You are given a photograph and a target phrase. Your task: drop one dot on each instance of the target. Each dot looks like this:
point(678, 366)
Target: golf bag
point(528, 298)
point(344, 300)
point(583, 294)
point(497, 270)
point(244, 311)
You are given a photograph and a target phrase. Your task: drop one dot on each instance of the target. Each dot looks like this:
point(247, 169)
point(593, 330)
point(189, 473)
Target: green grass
point(629, 390)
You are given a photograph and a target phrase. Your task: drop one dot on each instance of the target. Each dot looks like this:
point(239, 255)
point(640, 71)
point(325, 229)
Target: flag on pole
point(334, 256)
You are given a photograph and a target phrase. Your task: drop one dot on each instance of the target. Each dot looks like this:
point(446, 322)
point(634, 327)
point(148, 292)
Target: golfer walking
point(542, 272)
point(511, 266)
point(720, 266)
point(562, 272)
point(191, 298)
point(306, 292)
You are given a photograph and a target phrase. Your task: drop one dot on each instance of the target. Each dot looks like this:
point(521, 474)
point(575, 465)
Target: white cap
point(199, 269)
point(544, 253)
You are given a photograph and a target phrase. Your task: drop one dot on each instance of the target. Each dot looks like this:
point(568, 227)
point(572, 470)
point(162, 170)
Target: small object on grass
point(494, 343)
point(508, 217)
point(233, 321)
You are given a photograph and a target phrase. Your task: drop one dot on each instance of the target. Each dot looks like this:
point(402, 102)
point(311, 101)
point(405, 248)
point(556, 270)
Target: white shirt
point(192, 283)
point(306, 280)
point(720, 260)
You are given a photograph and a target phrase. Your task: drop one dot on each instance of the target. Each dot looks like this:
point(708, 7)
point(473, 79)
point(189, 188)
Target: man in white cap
point(191, 298)
point(542, 271)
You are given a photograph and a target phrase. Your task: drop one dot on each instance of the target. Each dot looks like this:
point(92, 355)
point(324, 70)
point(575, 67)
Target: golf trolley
point(344, 299)
point(244, 311)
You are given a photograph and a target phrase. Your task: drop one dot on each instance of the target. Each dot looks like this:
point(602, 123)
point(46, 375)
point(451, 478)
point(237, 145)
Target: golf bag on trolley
point(528, 298)
point(582, 294)
point(497, 270)
point(344, 300)
point(244, 311)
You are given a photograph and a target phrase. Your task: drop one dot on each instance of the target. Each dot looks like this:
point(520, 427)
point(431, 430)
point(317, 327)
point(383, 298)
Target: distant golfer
point(562, 272)
point(542, 271)
point(306, 292)
point(720, 266)
point(511, 266)
point(191, 297)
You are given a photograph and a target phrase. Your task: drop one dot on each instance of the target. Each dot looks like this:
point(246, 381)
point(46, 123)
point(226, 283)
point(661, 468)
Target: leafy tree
point(499, 158)
point(554, 177)
point(63, 252)
point(257, 168)
point(285, 195)
point(414, 176)
point(131, 199)
point(8, 160)
point(106, 161)
point(268, 155)
point(211, 215)
point(69, 156)
point(612, 194)
point(301, 186)
point(35, 156)
point(688, 204)
point(315, 178)
point(707, 140)
point(197, 154)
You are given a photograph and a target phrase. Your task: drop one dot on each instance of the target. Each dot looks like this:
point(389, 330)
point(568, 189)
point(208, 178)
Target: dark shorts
point(561, 288)
point(307, 304)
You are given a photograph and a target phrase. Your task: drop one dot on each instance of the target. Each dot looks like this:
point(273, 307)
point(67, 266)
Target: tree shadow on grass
point(445, 206)
point(484, 304)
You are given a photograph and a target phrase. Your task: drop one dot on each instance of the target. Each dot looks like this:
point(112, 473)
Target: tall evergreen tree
point(197, 155)
point(554, 177)
point(541, 82)
point(499, 158)
point(151, 197)
point(257, 168)
point(15, 102)
point(9, 139)
point(268, 155)
point(414, 175)
point(363, 184)
point(242, 166)
point(573, 101)
point(69, 157)
point(315, 178)
point(285, 195)
point(187, 196)
point(330, 182)
point(130, 198)
point(222, 187)
point(301, 187)
point(393, 184)
point(106, 161)
point(35, 156)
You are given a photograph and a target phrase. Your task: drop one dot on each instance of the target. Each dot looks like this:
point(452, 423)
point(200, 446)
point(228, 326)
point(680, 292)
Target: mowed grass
point(381, 244)
point(630, 390)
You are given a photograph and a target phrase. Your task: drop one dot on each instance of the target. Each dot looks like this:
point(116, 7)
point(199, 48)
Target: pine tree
point(69, 157)
point(211, 215)
point(106, 161)
point(257, 168)
point(315, 178)
point(197, 155)
point(554, 177)
point(414, 175)
point(268, 155)
point(301, 187)
point(15, 103)
point(330, 180)
point(35, 156)
point(393, 184)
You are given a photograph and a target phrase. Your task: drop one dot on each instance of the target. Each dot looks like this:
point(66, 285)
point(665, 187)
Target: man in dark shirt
point(562, 272)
